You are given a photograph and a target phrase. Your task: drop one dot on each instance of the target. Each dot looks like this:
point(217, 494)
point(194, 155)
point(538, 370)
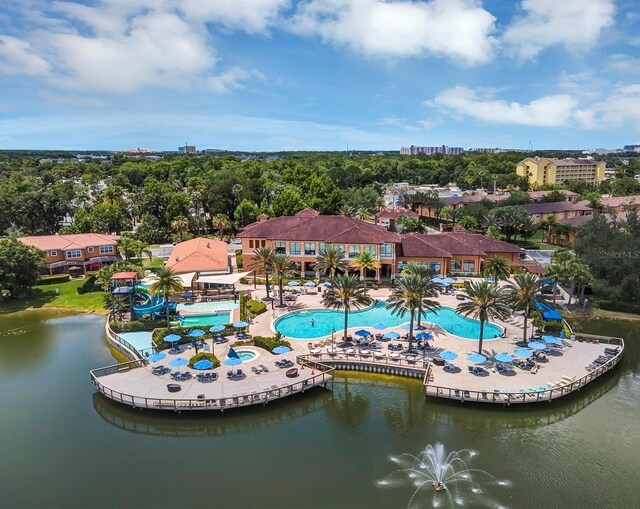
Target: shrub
point(256, 307)
point(204, 356)
point(239, 261)
point(54, 280)
point(90, 285)
point(161, 332)
point(270, 343)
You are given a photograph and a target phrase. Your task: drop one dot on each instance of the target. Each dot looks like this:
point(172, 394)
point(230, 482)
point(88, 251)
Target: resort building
point(561, 209)
point(540, 170)
point(200, 255)
point(458, 202)
point(304, 235)
point(619, 204)
point(85, 251)
point(389, 218)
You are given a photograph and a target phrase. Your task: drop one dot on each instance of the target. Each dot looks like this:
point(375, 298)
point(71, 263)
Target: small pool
point(217, 319)
point(140, 340)
point(298, 324)
point(246, 355)
point(207, 307)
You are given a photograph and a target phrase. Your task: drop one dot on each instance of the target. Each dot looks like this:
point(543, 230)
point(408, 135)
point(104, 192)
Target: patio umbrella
point(155, 357)
point(232, 361)
point(423, 335)
point(172, 338)
point(523, 352)
point(196, 333)
point(476, 358)
point(380, 326)
point(178, 362)
point(448, 355)
point(327, 284)
point(551, 340)
point(240, 325)
point(293, 283)
point(309, 284)
point(503, 357)
point(536, 345)
point(186, 295)
point(203, 364)
point(362, 333)
point(216, 328)
point(279, 350)
point(391, 335)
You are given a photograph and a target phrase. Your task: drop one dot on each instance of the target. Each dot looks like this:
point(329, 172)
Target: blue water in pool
point(218, 319)
point(298, 324)
point(246, 355)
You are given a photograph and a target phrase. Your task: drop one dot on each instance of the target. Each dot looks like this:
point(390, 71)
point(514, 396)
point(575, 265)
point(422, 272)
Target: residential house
point(88, 251)
point(561, 209)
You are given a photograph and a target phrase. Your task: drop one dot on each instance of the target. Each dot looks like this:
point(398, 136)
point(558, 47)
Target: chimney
point(208, 244)
point(263, 217)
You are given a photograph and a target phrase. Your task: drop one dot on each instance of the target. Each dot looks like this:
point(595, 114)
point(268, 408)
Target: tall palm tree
point(180, 225)
point(345, 293)
point(262, 259)
point(166, 283)
point(362, 214)
point(410, 294)
point(426, 274)
point(486, 301)
point(221, 222)
point(141, 249)
point(281, 267)
point(496, 267)
point(521, 294)
point(555, 272)
point(548, 224)
point(365, 261)
point(331, 260)
point(127, 247)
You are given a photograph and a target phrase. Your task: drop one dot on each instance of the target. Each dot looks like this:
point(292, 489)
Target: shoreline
point(597, 314)
point(78, 311)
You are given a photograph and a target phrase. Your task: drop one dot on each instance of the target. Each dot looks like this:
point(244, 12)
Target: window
point(251, 244)
point(456, 265)
point(294, 248)
point(370, 249)
point(310, 248)
point(74, 253)
point(53, 253)
point(106, 249)
point(385, 250)
point(280, 247)
point(435, 266)
point(354, 250)
point(263, 243)
point(469, 266)
point(90, 249)
point(322, 246)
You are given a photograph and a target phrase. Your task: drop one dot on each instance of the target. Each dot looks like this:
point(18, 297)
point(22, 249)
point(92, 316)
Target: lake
point(66, 446)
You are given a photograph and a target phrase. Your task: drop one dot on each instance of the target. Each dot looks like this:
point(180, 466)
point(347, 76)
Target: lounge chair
point(263, 367)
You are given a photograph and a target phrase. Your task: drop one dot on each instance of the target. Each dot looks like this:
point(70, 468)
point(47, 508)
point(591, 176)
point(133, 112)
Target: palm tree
point(166, 282)
point(262, 259)
point(547, 225)
point(410, 294)
point(345, 211)
point(345, 293)
point(496, 267)
point(141, 249)
point(578, 273)
point(365, 261)
point(180, 225)
point(281, 267)
point(521, 294)
point(221, 222)
point(555, 272)
point(468, 222)
point(127, 247)
point(362, 215)
point(331, 260)
point(426, 274)
point(486, 301)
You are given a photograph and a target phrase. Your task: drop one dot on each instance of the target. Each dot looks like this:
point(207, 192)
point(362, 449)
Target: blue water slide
point(152, 304)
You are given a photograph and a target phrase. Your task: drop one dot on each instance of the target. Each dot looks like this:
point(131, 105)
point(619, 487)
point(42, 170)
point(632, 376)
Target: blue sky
point(318, 74)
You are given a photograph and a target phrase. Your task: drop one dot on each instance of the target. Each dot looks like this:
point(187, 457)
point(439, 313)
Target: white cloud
point(621, 107)
point(404, 124)
point(457, 29)
point(624, 63)
point(231, 79)
point(17, 57)
point(247, 15)
point(575, 24)
point(548, 111)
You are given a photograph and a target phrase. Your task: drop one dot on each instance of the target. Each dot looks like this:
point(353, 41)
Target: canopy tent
point(223, 279)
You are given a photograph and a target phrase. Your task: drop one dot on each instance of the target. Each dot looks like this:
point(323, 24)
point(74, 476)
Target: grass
point(45, 296)
point(153, 263)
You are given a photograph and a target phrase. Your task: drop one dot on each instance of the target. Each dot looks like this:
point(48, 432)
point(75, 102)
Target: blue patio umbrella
point(551, 340)
point(536, 345)
point(172, 338)
point(203, 364)
point(216, 328)
point(362, 333)
point(309, 284)
point(423, 335)
point(504, 357)
point(232, 361)
point(380, 326)
point(196, 333)
point(178, 361)
point(155, 357)
point(240, 325)
point(523, 352)
point(186, 295)
point(279, 350)
point(476, 358)
point(293, 283)
point(448, 355)
point(391, 335)
point(326, 284)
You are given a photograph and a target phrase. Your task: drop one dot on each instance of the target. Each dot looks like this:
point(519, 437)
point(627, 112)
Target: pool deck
point(564, 372)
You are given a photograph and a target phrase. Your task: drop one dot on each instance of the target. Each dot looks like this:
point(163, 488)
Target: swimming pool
point(220, 318)
point(298, 324)
point(204, 308)
point(246, 355)
point(140, 340)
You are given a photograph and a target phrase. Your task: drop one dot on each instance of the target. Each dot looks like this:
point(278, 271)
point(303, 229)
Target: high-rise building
point(540, 170)
point(187, 149)
point(443, 149)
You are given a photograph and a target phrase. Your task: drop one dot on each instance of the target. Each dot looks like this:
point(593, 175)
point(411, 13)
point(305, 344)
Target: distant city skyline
point(274, 75)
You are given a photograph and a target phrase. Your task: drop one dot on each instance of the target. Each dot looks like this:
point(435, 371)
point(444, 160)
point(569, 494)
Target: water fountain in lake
point(439, 479)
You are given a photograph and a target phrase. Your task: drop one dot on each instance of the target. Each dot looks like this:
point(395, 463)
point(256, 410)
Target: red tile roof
point(124, 275)
point(199, 255)
point(555, 207)
point(395, 213)
point(71, 241)
point(308, 212)
point(448, 245)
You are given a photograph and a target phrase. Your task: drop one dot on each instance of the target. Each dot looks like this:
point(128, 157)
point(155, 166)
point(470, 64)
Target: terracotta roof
point(447, 245)
point(199, 255)
point(536, 195)
point(573, 162)
point(555, 207)
point(124, 275)
point(415, 245)
point(474, 198)
point(71, 241)
point(395, 213)
point(333, 229)
point(486, 244)
point(617, 201)
point(308, 212)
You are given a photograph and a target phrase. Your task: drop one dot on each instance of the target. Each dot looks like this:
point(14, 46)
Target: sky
point(271, 75)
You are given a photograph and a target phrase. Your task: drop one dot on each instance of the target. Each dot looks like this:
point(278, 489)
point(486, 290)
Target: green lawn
point(45, 296)
point(153, 263)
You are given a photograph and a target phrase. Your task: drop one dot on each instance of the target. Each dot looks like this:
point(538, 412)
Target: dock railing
point(120, 344)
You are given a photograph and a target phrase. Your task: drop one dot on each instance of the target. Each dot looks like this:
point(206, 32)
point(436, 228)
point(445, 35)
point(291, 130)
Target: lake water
point(63, 445)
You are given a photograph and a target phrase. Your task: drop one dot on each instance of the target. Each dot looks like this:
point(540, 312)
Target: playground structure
point(125, 283)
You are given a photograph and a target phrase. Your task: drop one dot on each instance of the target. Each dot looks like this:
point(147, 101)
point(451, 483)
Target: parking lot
point(542, 257)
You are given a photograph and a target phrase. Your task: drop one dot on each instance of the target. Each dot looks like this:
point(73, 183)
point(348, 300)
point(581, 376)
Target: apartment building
point(540, 170)
point(412, 150)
